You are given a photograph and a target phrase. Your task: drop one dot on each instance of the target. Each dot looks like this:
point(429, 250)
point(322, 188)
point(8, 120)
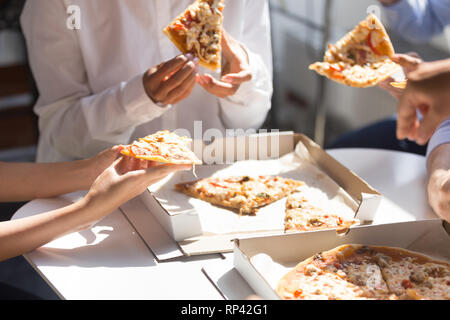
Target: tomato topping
point(298, 293)
point(217, 185)
point(370, 44)
point(340, 220)
point(407, 284)
point(178, 26)
point(339, 68)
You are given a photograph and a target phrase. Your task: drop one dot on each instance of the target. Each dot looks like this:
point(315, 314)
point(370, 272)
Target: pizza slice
point(164, 147)
point(356, 271)
point(243, 193)
point(360, 58)
point(399, 84)
point(301, 215)
point(198, 30)
point(343, 273)
point(413, 276)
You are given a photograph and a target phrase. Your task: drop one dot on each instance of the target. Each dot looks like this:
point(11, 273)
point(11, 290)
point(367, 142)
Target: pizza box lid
point(185, 229)
point(262, 261)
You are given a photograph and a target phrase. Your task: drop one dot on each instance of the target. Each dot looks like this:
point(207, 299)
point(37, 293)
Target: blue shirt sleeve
point(440, 137)
point(418, 20)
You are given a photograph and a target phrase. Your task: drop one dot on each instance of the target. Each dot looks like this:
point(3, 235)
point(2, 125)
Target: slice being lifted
point(198, 30)
point(245, 194)
point(360, 59)
point(301, 215)
point(163, 146)
point(367, 272)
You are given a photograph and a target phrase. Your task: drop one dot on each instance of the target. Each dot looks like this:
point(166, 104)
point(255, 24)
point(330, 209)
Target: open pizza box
point(200, 228)
point(263, 261)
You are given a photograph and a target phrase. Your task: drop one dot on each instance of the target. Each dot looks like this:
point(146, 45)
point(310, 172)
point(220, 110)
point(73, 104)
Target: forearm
point(439, 181)
point(26, 181)
point(24, 235)
point(439, 159)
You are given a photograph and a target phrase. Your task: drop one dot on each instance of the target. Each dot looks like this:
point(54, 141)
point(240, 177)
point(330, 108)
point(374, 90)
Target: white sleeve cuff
point(440, 137)
point(139, 108)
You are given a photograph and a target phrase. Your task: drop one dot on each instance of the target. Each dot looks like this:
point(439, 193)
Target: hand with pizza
point(172, 81)
point(409, 62)
point(426, 92)
point(111, 179)
point(235, 69)
point(362, 58)
point(199, 31)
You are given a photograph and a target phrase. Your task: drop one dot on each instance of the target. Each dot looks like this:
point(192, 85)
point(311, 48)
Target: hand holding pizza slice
point(360, 59)
point(198, 31)
point(163, 147)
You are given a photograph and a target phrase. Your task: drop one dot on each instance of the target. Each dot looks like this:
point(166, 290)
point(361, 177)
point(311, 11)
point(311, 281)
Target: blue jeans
point(380, 135)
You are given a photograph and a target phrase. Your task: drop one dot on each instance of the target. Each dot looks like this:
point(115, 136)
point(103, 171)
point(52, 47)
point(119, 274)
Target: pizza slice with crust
point(164, 147)
point(355, 271)
point(361, 58)
point(301, 215)
point(243, 193)
point(198, 30)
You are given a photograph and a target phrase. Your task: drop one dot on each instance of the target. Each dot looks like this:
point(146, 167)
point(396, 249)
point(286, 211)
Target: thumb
point(409, 63)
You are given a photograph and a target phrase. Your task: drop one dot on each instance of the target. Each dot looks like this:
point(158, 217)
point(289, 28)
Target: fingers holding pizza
point(172, 81)
point(235, 69)
point(409, 62)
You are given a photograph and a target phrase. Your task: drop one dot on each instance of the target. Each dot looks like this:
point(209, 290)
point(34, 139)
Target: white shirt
point(90, 80)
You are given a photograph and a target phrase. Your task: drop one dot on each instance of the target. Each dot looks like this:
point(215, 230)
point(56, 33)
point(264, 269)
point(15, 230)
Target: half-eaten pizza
point(163, 146)
point(361, 58)
point(242, 193)
point(198, 30)
point(353, 272)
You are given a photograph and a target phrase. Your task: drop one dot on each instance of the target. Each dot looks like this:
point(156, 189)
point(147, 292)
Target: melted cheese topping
point(361, 272)
point(204, 36)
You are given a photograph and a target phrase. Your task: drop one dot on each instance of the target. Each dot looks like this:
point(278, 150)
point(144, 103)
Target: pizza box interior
point(200, 228)
point(263, 261)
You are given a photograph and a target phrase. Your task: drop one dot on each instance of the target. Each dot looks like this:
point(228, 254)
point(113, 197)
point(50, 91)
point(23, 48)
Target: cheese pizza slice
point(355, 271)
point(163, 146)
point(301, 215)
point(361, 58)
point(198, 30)
point(243, 193)
point(400, 84)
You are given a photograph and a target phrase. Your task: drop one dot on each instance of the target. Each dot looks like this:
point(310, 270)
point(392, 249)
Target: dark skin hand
point(172, 81)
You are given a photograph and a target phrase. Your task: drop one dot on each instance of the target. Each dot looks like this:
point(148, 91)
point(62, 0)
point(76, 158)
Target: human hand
point(388, 2)
point(125, 179)
point(235, 70)
point(410, 62)
point(426, 92)
point(172, 81)
point(439, 180)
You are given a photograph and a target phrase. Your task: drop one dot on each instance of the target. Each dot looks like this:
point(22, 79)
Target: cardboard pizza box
point(186, 227)
point(262, 261)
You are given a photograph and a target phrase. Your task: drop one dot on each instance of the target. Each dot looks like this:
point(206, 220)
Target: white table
point(110, 261)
